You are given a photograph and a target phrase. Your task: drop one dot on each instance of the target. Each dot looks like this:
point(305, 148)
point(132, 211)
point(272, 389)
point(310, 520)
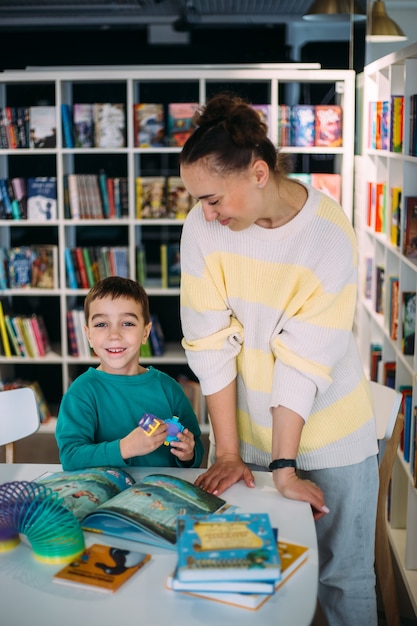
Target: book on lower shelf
point(292, 556)
point(234, 546)
point(408, 321)
point(110, 501)
point(328, 125)
point(102, 568)
point(410, 227)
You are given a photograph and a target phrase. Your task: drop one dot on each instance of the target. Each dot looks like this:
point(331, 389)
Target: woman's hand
point(184, 448)
point(291, 486)
point(225, 472)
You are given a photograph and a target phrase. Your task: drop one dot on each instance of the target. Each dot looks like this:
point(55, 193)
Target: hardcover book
point(42, 198)
point(109, 125)
point(396, 193)
point(410, 228)
point(42, 127)
point(44, 271)
point(292, 557)
point(67, 129)
point(102, 568)
point(328, 125)
point(180, 202)
point(151, 197)
point(303, 125)
point(170, 265)
point(83, 125)
point(397, 124)
point(180, 122)
point(19, 265)
point(109, 501)
point(149, 124)
point(234, 546)
point(409, 321)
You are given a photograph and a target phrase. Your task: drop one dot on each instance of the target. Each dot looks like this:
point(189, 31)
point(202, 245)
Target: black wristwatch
point(280, 463)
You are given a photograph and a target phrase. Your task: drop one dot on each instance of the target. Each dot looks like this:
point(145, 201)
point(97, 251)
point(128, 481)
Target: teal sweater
point(99, 409)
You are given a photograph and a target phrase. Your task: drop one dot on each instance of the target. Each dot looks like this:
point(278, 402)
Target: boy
point(99, 414)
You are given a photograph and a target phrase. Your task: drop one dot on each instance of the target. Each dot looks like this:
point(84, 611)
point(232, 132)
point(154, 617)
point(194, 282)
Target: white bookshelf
point(263, 84)
point(394, 74)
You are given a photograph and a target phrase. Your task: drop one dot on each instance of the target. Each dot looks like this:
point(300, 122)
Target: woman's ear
point(261, 173)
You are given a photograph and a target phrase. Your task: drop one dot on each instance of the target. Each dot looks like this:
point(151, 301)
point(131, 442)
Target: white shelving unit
point(263, 84)
point(394, 74)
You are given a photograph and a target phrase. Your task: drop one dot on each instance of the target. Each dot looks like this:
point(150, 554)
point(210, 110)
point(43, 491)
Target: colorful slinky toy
point(37, 512)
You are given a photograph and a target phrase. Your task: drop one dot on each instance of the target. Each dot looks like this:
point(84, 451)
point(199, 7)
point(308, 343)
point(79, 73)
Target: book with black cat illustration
point(102, 568)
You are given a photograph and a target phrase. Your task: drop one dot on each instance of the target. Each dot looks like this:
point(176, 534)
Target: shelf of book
point(385, 199)
point(109, 198)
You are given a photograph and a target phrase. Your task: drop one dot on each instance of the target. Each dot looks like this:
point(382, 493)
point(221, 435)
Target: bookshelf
point(270, 84)
point(379, 246)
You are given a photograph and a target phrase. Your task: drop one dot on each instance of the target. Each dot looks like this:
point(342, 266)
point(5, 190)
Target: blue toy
point(150, 423)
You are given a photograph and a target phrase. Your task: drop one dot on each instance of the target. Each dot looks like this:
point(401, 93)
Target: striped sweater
point(274, 308)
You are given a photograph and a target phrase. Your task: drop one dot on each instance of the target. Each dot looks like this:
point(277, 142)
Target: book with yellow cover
point(102, 568)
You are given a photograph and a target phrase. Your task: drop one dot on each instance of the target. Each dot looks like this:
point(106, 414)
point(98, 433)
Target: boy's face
point(116, 330)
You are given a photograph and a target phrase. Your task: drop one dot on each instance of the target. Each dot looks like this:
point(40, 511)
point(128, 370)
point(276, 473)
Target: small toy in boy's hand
point(150, 423)
point(174, 427)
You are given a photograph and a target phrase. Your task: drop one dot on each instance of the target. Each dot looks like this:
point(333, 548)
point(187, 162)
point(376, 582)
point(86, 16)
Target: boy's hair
point(118, 287)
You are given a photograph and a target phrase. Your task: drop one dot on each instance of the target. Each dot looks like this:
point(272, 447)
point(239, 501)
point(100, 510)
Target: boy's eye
point(128, 324)
point(100, 325)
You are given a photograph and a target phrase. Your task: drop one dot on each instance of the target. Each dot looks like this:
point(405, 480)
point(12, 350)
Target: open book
point(110, 501)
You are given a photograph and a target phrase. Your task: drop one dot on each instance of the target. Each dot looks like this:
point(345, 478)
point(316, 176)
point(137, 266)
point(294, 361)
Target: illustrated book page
point(109, 501)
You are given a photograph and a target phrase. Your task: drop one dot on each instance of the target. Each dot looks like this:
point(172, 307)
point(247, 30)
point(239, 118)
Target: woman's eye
point(213, 202)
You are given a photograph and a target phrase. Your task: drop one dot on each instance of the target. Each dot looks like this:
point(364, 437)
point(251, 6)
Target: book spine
point(69, 266)
point(33, 320)
point(72, 335)
point(67, 125)
point(3, 333)
point(81, 268)
point(12, 336)
point(102, 179)
point(88, 267)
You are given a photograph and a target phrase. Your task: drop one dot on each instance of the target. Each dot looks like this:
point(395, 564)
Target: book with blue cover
point(231, 546)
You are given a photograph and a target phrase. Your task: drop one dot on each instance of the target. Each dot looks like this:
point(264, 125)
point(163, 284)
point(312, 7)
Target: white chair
point(19, 417)
point(389, 422)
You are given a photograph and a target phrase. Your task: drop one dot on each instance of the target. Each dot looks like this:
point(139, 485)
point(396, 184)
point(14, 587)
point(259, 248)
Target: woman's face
point(233, 200)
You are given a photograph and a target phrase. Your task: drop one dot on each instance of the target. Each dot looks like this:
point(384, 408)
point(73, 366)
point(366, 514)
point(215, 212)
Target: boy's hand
point(139, 443)
point(184, 448)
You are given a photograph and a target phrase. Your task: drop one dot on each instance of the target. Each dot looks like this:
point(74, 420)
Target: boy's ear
point(146, 332)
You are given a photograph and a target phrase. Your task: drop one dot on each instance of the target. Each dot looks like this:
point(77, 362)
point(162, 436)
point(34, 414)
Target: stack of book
point(233, 558)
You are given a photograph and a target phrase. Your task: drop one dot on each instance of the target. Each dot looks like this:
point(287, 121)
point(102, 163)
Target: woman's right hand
point(225, 472)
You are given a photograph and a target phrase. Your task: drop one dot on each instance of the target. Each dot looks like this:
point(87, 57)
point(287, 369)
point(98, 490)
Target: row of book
point(23, 335)
point(412, 149)
point(86, 265)
point(386, 124)
point(95, 196)
point(27, 127)
point(43, 407)
point(33, 198)
point(385, 372)
point(26, 267)
point(308, 125)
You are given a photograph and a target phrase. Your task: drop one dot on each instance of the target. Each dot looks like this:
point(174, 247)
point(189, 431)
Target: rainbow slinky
point(37, 512)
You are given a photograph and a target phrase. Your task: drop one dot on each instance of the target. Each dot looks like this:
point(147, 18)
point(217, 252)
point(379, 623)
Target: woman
point(268, 290)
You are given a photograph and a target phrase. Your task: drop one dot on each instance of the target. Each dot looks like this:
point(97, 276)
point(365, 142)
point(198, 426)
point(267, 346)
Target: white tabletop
point(28, 595)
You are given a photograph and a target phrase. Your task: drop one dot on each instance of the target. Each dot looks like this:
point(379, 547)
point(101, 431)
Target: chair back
point(19, 417)
point(389, 422)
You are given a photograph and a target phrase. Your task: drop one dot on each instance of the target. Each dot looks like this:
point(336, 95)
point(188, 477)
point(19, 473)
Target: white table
point(28, 595)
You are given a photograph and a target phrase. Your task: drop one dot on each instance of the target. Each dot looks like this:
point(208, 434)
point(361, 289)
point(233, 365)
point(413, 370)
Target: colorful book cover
point(397, 124)
point(385, 124)
point(149, 124)
point(396, 193)
point(409, 321)
point(180, 122)
point(102, 568)
point(42, 127)
point(19, 264)
point(303, 124)
point(284, 125)
point(44, 271)
point(170, 265)
point(151, 200)
point(19, 187)
point(394, 284)
point(292, 557)
point(264, 112)
point(380, 207)
point(42, 198)
point(330, 184)
point(410, 228)
point(83, 124)
point(67, 129)
point(3, 333)
point(329, 125)
point(109, 125)
point(235, 546)
point(179, 201)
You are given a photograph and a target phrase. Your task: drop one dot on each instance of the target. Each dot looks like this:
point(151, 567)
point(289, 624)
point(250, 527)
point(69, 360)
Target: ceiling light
point(382, 28)
point(335, 10)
